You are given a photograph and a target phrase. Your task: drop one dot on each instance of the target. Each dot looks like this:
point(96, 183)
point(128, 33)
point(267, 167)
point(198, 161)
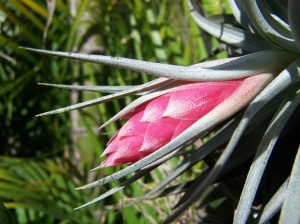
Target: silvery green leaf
point(291, 205)
point(103, 89)
point(294, 18)
point(163, 159)
point(231, 35)
point(120, 187)
point(262, 156)
point(240, 14)
point(172, 190)
point(241, 67)
point(274, 205)
point(268, 27)
point(279, 8)
point(144, 87)
point(248, 145)
point(132, 179)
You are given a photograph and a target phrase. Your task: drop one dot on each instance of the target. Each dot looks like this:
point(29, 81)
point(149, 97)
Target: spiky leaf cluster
point(267, 40)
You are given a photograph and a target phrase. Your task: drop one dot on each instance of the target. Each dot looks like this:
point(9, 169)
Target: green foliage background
point(43, 159)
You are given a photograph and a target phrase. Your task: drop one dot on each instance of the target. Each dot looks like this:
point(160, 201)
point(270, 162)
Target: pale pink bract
point(156, 122)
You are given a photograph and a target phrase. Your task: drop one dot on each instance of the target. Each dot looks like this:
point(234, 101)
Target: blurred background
point(43, 159)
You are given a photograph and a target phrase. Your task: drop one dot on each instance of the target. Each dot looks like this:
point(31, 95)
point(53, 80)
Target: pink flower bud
point(156, 122)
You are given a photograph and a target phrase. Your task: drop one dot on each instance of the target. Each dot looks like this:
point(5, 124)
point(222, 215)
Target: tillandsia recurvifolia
point(184, 103)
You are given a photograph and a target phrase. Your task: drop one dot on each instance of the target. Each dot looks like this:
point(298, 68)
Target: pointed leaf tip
point(81, 188)
point(96, 168)
point(102, 126)
point(47, 113)
point(40, 115)
point(82, 206)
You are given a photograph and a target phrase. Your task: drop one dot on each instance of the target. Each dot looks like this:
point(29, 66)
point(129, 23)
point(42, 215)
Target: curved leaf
point(240, 15)
point(274, 204)
point(268, 27)
point(231, 35)
point(294, 18)
point(262, 156)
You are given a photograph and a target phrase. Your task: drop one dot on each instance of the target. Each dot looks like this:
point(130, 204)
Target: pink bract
point(156, 122)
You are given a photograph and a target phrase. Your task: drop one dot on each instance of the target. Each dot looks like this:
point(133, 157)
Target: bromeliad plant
point(186, 103)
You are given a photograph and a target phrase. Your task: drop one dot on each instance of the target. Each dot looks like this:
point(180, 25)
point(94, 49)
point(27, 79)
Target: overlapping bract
point(156, 122)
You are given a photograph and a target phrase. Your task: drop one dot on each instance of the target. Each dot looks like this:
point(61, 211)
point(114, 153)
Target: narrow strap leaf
point(147, 86)
point(120, 187)
point(251, 64)
point(132, 179)
point(103, 89)
point(274, 205)
point(231, 35)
